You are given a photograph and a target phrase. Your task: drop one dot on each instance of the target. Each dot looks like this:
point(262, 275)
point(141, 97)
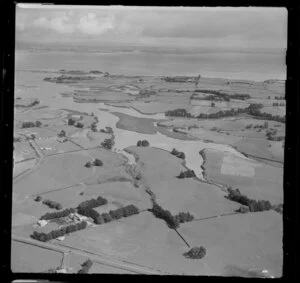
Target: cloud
point(243, 26)
point(59, 24)
point(90, 24)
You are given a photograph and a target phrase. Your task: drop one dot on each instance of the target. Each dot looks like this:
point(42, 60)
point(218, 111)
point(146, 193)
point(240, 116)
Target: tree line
point(59, 214)
point(108, 217)
point(44, 237)
point(218, 95)
point(92, 203)
point(31, 124)
point(52, 204)
point(254, 205)
point(253, 109)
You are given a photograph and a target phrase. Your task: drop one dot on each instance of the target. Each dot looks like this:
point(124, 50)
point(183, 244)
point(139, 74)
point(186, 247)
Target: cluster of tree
point(92, 203)
point(257, 126)
point(179, 79)
point(218, 95)
point(276, 104)
point(59, 214)
point(184, 217)
point(159, 212)
point(108, 143)
point(196, 253)
point(96, 72)
point(279, 98)
point(146, 93)
point(180, 112)
point(254, 205)
point(210, 97)
point(178, 154)
point(66, 79)
point(52, 204)
point(143, 143)
point(108, 217)
point(107, 130)
point(85, 267)
point(96, 162)
point(186, 174)
point(271, 135)
point(44, 237)
point(79, 125)
point(31, 124)
point(17, 139)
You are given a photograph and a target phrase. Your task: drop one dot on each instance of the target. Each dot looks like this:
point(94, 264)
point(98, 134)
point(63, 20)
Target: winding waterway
point(49, 94)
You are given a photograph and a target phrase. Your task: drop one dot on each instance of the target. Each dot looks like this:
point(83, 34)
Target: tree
point(88, 164)
point(71, 122)
point(213, 104)
point(79, 125)
point(107, 217)
point(38, 198)
point(98, 162)
point(145, 143)
point(94, 127)
point(99, 220)
point(38, 123)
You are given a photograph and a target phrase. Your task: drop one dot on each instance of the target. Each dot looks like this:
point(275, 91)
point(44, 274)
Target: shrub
point(196, 253)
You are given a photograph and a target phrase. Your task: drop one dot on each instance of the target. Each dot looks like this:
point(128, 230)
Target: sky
point(152, 26)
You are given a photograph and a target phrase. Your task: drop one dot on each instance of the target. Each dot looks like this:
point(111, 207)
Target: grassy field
point(252, 178)
point(245, 241)
point(27, 258)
